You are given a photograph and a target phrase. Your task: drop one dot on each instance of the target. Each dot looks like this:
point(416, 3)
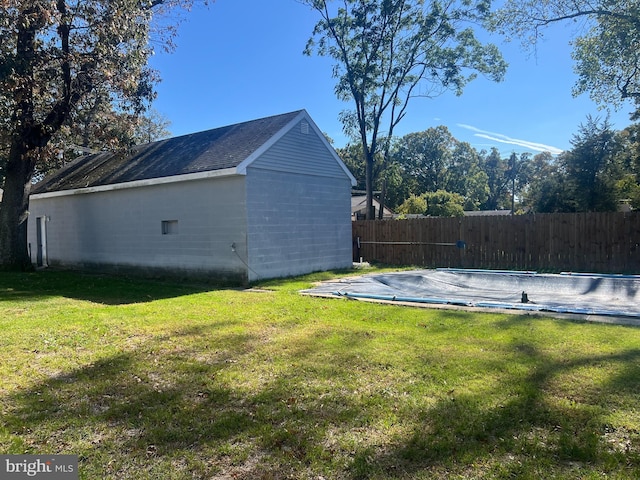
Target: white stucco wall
point(123, 228)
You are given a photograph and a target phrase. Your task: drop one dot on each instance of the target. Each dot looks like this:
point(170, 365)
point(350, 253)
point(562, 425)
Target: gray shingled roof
point(216, 149)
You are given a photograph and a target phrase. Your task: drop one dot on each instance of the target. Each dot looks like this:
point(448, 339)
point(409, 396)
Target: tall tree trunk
point(28, 137)
point(383, 194)
point(371, 211)
point(14, 209)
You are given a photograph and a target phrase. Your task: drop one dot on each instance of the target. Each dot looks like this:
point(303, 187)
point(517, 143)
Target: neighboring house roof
point(359, 205)
point(230, 147)
point(486, 213)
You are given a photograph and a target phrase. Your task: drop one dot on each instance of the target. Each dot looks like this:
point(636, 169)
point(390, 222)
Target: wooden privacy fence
point(576, 242)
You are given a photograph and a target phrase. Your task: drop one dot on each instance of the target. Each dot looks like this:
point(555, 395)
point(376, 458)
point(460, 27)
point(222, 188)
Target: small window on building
point(169, 227)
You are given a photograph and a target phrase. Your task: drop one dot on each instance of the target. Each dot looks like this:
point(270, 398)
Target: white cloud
point(498, 137)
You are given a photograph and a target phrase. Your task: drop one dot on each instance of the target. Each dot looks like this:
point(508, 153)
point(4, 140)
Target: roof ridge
point(232, 125)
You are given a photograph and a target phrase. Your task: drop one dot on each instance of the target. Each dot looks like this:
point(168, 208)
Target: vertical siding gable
point(300, 153)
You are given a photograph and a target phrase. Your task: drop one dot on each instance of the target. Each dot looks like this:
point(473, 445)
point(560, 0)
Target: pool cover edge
point(629, 285)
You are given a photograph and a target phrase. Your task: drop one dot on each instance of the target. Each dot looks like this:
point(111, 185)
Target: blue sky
point(238, 60)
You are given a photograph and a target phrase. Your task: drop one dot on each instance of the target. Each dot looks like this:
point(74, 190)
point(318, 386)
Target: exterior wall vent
point(169, 227)
point(304, 128)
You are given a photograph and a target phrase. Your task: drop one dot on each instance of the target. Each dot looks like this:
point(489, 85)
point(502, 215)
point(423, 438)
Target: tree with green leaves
point(413, 205)
point(434, 160)
point(433, 204)
point(55, 55)
point(628, 159)
point(467, 177)
point(389, 51)
point(352, 156)
point(541, 172)
point(590, 177)
point(590, 167)
point(606, 53)
point(427, 157)
point(444, 204)
point(497, 170)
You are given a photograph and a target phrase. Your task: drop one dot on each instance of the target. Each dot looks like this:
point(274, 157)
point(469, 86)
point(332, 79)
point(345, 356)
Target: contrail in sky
point(498, 137)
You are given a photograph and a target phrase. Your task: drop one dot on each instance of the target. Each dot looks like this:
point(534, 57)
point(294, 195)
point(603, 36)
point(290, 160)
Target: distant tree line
point(433, 173)
point(388, 52)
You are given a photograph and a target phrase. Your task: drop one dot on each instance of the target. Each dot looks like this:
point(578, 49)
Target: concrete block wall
point(123, 227)
point(297, 223)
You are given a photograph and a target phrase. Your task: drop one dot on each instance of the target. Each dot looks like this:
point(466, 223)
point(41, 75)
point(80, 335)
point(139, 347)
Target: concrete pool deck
point(591, 297)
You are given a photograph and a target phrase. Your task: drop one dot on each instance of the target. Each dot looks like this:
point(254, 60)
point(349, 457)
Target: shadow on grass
point(145, 414)
point(159, 406)
point(531, 432)
point(105, 289)
point(124, 405)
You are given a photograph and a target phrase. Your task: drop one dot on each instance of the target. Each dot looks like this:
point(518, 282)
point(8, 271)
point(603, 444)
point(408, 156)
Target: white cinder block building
point(261, 199)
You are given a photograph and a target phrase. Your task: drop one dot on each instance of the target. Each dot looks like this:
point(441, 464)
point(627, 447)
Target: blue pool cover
point(584, 294)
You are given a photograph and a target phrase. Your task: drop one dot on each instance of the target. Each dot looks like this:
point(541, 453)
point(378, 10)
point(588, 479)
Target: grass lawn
point(157, 380)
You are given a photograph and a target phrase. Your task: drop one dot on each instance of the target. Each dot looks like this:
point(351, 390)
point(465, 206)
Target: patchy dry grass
point(147, 380)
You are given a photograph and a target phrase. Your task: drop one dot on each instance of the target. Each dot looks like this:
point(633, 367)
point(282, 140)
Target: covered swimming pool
point(566, 293)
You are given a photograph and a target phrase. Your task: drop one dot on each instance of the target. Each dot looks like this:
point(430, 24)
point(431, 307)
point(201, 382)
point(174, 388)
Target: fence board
point(579, 242)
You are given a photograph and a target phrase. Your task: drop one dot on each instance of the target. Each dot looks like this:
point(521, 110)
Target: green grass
point(148, 380)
